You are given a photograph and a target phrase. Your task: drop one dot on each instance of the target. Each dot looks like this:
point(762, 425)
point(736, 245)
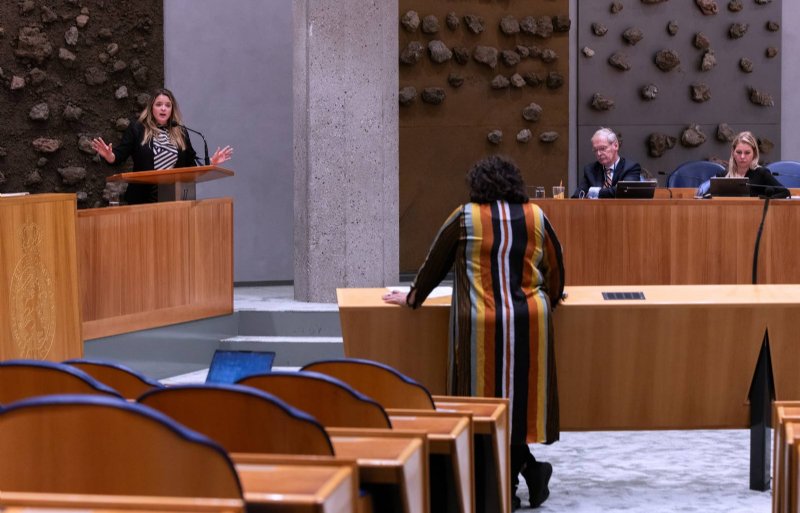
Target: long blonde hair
point(743, 138)
point(174, 128)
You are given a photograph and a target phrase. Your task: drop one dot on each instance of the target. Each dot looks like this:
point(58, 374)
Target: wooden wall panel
point(439, 143)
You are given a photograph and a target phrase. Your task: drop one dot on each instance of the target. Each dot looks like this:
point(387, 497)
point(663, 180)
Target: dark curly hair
point(496, 178)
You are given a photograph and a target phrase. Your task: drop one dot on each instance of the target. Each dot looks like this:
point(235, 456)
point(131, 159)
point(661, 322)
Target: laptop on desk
point(230, 366)
point(636, 190)
point(730, 187)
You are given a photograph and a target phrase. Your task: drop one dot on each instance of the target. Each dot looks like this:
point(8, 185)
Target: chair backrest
point(377, 380)
point(331, 401)
point(20, 379)
point(693, 173)
point(85, 444)
point(787, 172)
point(242, 419)
point(128, 382)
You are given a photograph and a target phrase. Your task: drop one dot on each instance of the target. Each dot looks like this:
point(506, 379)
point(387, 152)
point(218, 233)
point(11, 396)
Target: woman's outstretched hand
point(221, 155)
point(103, 149)
point(395, 297)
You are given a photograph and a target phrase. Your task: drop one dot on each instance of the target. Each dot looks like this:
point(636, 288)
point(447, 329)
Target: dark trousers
point(520, 456)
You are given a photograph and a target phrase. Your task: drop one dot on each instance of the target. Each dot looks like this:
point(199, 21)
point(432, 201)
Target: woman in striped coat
point(508, 277)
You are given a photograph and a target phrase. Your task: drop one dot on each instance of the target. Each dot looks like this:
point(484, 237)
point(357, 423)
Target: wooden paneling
point(143, 266)
point(675, 241)
point(39, 309)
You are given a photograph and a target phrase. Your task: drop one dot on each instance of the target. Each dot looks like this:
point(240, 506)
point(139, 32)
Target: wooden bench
point(24, 502)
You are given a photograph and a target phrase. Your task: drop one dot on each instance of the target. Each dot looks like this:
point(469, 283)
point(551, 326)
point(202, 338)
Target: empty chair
point(693, 173)
point(81, 444)
point(28, 378)
point(332, 402)
point(383, 383)
point(128, 382)
point(242, 419)
point(787, 172)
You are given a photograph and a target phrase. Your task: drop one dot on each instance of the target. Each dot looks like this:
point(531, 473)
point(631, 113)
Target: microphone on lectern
point(205, 144)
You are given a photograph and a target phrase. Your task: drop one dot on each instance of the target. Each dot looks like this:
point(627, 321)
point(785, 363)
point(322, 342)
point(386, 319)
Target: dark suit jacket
point(131, 146)
point(593, 176)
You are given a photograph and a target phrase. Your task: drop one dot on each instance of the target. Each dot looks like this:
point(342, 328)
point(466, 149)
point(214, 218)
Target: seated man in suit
point(608, 169)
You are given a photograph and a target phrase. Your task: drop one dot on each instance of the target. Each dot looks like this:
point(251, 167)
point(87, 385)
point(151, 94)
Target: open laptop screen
point(724, 186)
point(637, 189)
point(231, 366)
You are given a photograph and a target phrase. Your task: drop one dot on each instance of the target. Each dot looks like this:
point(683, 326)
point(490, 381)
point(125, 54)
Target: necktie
point(607, 181)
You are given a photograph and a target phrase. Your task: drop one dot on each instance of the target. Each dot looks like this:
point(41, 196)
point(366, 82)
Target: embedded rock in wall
point(701, 41)
point(544, 27)
point(725, 133)
point(549, 55)
point(765, 145)
point(535, 52)
point(486, 55)
point(771, 52)
point(33, 178)
point(667, 60)
point(708, 61)
point(746, 65)
point(533, 79)
point(523, 51)
point(735, 5)
point(410, 21)
point(649, 92)
point(474, 23)
point(509, 25)
point(672, 28)
point(71, 36)
point(599, 29)
point(517, 80)
point(601, 102)
point(495, 136)
point(121, 124)
point(439, 51)
point(499, 82)
point(430, 24)
point(658, 144)
point(85, 144)
point(707, 7)
point(433, 95)
point(700, 92)
point(95, 76)
point(46, 145)
point(616, 7)
point(693, 136)
point(759, 98)
point(587, 52)
point(455, 80)
point(407, 95)
point(561, 23)
point(554, 80)
point(532, 112)
point(39, 112)
point(461, 54)
point(528, 25)
point(66, 57)
point(737, 30)
point(72, 175)
point(524, 136)
point(773, 26)
point(619, 61)
point(548, 137)
point(17, 83)
point(412, 53)
point(510, 57)
point(452, 20)
point(33, 44)
point(632, 36)
point(121, 93)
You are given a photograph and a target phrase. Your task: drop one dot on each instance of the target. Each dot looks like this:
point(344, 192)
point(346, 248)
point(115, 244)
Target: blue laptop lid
point(230, 366)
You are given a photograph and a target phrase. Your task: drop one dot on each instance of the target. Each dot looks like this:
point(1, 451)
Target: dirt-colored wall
point(71, 70)
point(439, 143)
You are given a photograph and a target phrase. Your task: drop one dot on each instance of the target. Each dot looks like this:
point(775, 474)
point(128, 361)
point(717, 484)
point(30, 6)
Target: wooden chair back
point(128, 382)
point(332, 402)
point(377, 380)
point(81, 444)
point(20, 379)
point(242, 419)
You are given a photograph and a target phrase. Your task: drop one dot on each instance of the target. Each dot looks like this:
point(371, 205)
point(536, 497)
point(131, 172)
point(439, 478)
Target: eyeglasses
point(601, 149)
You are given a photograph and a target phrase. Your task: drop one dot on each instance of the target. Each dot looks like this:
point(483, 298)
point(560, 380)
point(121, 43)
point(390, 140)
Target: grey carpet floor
point(652, 471)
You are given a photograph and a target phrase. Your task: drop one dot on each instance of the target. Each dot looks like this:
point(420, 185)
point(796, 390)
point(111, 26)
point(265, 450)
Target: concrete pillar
point(346, 144)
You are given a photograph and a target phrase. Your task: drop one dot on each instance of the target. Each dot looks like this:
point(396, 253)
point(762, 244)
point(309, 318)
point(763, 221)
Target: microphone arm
point(205, 144)
point(758, 241)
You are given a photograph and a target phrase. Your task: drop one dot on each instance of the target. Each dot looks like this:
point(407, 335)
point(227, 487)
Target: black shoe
point(537, 475)
point(516, 503)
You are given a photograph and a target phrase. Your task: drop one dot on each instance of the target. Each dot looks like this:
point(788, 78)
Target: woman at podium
point(157, 139)
point(508, 276)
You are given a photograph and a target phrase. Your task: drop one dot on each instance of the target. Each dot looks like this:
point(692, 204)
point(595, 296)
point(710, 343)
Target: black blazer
point(143, 160)
point(594, 175)
point(765, 183)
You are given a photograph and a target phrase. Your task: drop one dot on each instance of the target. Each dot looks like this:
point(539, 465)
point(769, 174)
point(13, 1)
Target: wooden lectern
point(39, 308)
point(174, 184)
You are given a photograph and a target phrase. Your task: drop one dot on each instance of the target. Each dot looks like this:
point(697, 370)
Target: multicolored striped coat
point(508, 276)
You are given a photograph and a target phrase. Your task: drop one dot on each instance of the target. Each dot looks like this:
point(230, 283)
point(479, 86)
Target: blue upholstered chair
point(128, 382)
point(693, 173)
point(83, 444)
point(20, 379)
point(242, 419)
point(787, 172)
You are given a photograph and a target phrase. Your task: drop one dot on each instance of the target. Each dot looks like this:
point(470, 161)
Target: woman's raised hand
point(221, 155)
point(103, 149)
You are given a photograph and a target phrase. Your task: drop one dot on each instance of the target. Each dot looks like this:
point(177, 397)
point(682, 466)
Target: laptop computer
point(725, 186)
point(636, 190)
point(230, 366)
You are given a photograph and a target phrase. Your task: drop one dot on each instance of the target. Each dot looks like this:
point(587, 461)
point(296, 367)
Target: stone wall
point(71, 70)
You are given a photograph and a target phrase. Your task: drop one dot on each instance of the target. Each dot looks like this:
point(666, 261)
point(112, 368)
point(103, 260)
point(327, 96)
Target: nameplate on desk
point(622, 295)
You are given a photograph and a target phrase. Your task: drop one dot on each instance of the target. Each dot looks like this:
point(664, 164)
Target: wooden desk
point(30, 502)
point(39, 309)
point(143, 266)
point(675, 241)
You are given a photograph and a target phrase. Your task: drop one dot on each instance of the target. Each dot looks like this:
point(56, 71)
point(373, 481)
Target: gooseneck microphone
point(205, 144)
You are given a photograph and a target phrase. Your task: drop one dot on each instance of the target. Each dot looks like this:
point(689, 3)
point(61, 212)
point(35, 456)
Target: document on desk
point(437, 292)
